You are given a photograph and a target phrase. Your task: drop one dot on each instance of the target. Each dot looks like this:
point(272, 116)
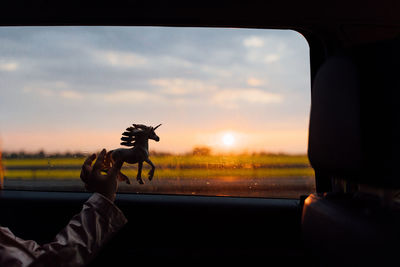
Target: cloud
point(233, 98)
point(271, 58)
point(49, 89)
point(120, 59)
point(169, 60)
point(216, 71)
point(41, 91)
point(253, 41)
point(254, 82)
point(126, 96)
point(8, 66)
point(71, 94)
point(118, 96)
point(180, 87)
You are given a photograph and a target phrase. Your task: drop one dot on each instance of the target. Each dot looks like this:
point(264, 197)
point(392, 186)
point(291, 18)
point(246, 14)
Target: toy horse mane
point(129, 136)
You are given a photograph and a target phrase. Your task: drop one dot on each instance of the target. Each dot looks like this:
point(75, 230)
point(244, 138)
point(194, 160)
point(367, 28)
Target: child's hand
point(106, 185)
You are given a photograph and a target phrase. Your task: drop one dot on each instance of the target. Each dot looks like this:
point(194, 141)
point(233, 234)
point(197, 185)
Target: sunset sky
point(78, 88)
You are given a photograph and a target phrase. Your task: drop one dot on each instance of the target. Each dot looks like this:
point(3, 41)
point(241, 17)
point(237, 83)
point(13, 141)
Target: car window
point(233, 104)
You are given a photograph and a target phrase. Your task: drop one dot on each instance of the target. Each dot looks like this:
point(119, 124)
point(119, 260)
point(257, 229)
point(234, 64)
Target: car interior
point(351, 219)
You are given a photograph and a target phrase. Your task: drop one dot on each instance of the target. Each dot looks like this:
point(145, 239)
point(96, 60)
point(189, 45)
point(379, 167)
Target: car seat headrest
point(355, 115)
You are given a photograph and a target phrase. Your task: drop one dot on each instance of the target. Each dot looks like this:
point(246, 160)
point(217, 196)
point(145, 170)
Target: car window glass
point(233, 104)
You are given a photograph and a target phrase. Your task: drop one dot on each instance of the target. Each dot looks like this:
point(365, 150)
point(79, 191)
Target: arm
point(87, 231)
point(84, 235)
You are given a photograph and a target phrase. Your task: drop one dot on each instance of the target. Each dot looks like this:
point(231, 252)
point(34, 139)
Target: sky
point(78, 88)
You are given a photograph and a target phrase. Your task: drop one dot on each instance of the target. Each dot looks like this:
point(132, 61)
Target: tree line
point(196, 151)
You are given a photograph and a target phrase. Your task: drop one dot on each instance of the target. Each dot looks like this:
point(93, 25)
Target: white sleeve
point(75, 245)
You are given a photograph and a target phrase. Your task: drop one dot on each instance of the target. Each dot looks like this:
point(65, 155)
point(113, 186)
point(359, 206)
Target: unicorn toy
point(136, 137)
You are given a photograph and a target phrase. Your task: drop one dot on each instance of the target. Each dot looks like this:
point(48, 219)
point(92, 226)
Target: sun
point(228, 139)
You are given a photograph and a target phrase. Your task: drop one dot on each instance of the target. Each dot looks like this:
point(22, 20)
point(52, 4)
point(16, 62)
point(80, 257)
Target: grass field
point(170, 166)
point(176, 160)
point(180, 173)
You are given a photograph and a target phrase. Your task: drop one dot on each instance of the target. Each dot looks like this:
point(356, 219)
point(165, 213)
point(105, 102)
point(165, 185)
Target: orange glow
point(182, 141)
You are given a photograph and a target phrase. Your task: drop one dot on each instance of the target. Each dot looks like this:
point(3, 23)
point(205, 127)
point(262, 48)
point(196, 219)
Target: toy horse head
point(152, 134)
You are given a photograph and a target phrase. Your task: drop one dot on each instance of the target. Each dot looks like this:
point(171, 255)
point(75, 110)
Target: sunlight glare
point(228, 139)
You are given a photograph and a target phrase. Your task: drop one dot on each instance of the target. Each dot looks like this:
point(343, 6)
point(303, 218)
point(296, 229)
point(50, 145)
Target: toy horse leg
point(139, 174)
point(151, 172)
point(123, 177)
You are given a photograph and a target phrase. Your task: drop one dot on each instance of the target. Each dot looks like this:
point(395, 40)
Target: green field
point(180, 166)
point(279, 176)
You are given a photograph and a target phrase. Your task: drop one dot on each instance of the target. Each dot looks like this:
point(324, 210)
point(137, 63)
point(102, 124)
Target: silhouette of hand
point(106, 185)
